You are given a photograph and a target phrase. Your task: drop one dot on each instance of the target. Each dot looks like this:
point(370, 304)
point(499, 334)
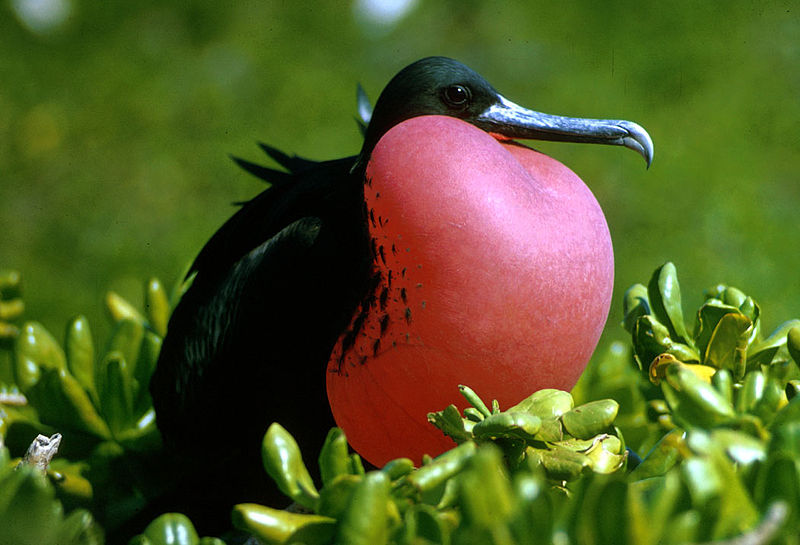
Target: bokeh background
point(117, 118)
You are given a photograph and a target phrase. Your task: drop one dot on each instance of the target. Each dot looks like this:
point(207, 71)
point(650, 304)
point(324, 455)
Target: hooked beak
point(508, 119)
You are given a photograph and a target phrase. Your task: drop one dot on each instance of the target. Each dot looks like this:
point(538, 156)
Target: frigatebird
point(283, 294)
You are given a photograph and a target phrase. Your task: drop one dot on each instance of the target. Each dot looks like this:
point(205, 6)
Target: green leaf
point(665, 298)
point(562, 464)
point(533, 514)
point(708, 317)
point(664, 455)
point(284, 463)
point(28, 509)
point(793, 343)
point(450, 422)
point(63, 403)
point(634, 304)
point(517, 425)
point(334, 458)
point(778, 479)
point(117, 393)
point(424, 524)
point(127, 341)
point(693, 401)
point(145, 365)
point(545, 403)
point(773, 348)
point(156, 304)
point(652, 502)
point(79, 349)
point(606, 455)
point(397, 468)
point(335, 495)
point(434, 474)
point(590, 419)
point(727, 347)
point(604, 516)
point(120, 309)
point(171, 529)
point(366, 520)
point(35, 349)
point(274, 526)
point(485, 489)
point(474, 400)
point(723, 383)
point(742, 448)
point(751, 391)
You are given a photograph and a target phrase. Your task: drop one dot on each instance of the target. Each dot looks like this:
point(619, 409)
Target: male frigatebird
point(442, 253)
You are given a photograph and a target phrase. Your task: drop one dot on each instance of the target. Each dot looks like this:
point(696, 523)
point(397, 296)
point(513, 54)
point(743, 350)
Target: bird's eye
point(456, 96)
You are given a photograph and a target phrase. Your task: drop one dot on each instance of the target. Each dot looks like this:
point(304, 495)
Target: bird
point(309, 286)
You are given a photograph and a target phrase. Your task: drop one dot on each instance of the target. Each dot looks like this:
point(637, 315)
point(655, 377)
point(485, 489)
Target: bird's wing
point(293, 195)
point(230, 339)
point(273, 289)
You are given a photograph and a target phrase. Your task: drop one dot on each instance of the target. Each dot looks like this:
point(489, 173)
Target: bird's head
point(443, 86)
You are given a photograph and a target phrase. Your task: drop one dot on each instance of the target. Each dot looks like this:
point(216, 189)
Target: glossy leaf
point(424, 524)
point(433, 475)
point(171, 529)
point(156, 304)
point(145, 365)
point(708, 317)
point(450, 422)
point(485, 489)
point(545, 403)
point(727, 347)
point(120, 309)
point(127, 341)
point(665, 299)
point(35, 349)
point(591, 418)
point(275, 526)
point(635, 303)
point(723, 383)
point(662, 457)
point(335, 495)
point(334, 456)
point(693, 400)
point(366, 521)
point(79, 348)
point(397, 468)
point(751, 391)
point(284, 463)
point(793, 343)
point(563, 464)
point(517, 425)
point(773, 348)
point(117, 393)
point(740, 447)
point(474, 400)
point(62, 402)
point(604, 517)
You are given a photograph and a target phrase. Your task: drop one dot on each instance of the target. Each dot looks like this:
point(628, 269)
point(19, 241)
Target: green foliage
point(714, 407)
point(172, 529)
point(567, 441)
point(31, 514)
point(98, 400)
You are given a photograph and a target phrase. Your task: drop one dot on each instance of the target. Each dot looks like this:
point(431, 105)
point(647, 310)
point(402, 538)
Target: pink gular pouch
point(496, 270)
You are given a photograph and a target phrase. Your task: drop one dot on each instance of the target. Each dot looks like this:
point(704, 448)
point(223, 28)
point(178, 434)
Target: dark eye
point(456, 96)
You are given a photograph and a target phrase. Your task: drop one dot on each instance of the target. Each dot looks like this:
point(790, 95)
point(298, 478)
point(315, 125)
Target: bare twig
point(41, 451)
point(764, 532)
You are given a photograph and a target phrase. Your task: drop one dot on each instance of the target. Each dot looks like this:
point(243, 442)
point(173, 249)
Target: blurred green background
point(117, 118)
